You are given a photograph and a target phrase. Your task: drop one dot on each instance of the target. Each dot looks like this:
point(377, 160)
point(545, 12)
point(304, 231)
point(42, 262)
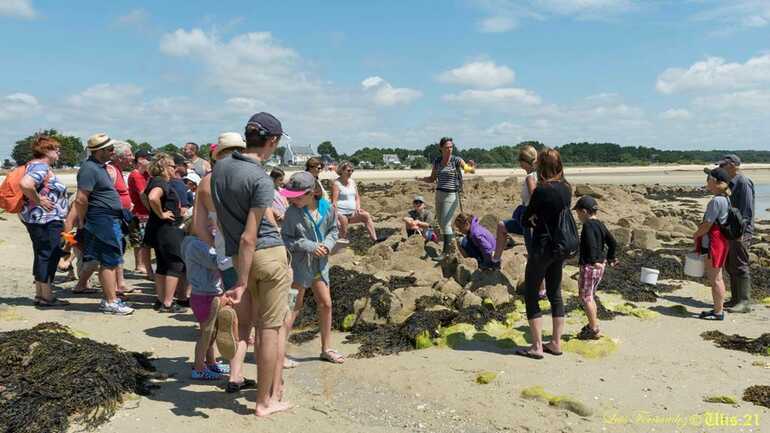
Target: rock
point(644, 239)
point(403, 302)
point(465, 269)
point(569, 285)
point(513, 264)
point(581, 190)
point(449, 265)
point(681, 230)
point(664, 236)
point(655, 223)
point(365, 312)
point(470, 299)
point(449, 287)
point(381, 250)
point(622, 236)
point(497, 294)
point(413, 246)
point(484, 278)
point(625, 222)
point(489, 222)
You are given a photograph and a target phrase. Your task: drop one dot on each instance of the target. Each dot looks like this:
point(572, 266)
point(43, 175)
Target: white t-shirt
point(346, 201)
point(526, 196)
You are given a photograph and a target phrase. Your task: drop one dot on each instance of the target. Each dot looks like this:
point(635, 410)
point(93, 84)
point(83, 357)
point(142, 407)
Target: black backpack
point(565, 240)
point(735, 226)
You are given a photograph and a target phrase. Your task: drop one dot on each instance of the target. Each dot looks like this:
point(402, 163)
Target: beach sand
point(656, 379)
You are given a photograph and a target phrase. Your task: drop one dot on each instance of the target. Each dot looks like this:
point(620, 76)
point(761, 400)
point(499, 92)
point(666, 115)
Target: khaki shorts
point(269, 284)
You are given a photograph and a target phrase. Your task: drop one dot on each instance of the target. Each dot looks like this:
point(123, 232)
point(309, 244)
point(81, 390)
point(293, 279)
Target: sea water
point(763, 201)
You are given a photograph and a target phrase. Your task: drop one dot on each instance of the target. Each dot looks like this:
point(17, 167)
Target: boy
point(418, 220)
point(593, 261)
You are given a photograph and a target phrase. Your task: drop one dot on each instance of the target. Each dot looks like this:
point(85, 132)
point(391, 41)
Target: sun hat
point(719, 174)
point(587, 203)
point(228, 140)
point(419, 198)
point(99, 141)
point(192, 176)
point(299, 184)
point(730, 159)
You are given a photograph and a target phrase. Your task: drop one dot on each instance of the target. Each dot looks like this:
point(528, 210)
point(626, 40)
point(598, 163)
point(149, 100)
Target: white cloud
point(245, 106)
point(585, 8)
point(506, 95)
point(745, 13)
point(499, 24)
point(383, 93)
point(136, 17)
point(18, 105)
point(485, 74)
point(17, 8)
point(715, 73)
point(676, 114)
point(756, 101)
point(105, 96)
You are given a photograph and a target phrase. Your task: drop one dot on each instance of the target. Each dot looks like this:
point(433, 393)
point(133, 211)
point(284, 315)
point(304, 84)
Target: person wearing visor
point(711, 242)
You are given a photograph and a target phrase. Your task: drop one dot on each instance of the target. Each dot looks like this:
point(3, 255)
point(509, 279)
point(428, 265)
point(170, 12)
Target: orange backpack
point(11, 195)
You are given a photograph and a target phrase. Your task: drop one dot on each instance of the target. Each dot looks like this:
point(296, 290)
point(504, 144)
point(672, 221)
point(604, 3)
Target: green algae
point(560, 401)
point(348, 322)
point(591, 349)
point(423, 340)
point(486, 377)
point(722, 399)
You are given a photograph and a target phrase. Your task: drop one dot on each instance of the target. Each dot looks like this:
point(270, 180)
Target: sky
point(672, 74)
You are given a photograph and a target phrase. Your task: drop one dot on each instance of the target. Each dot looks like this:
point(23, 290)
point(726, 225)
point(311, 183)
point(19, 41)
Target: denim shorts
point(97, 250)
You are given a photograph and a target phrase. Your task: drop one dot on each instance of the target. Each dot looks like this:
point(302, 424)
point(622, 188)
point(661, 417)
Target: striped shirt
point(447, 176)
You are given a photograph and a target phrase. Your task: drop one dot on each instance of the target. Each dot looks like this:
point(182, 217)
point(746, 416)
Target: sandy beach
point(655, 380)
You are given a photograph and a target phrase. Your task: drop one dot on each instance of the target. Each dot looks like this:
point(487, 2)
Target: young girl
point(709, 239)
point(477, 241)
point(310, 233)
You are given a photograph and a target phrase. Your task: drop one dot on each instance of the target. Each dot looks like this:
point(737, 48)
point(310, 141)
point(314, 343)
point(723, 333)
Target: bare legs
point(359, 217)
point(717, 286)
point(109, 280)
point(142, 260)
point(245, 325)
point(165, 286)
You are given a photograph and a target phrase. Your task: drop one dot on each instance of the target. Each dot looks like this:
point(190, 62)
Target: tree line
point(73, 152)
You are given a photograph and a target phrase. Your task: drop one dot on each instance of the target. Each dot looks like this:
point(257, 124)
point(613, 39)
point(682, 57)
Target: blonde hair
point(462, 219)
point(528, 154)
point(159, 163)
point(343, 165)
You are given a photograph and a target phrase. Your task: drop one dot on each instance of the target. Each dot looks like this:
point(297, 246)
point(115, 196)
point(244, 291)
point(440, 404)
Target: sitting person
point(418, 220)
point(203, 274)
point(347, 202)
point(477, 241)
point(593, 261)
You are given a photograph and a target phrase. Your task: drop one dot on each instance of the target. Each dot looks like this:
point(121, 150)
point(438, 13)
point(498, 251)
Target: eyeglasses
point(350, 170)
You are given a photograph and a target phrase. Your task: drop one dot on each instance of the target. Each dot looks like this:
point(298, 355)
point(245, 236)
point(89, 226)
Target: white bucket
point(694, 266)
point(650, 276)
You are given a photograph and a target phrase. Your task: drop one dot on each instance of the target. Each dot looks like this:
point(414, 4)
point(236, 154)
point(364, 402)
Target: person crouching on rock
point(710, 241)
point(203, 275)
point(310, 233)
point(593, 261)
point(477, 241)
point(418, 220)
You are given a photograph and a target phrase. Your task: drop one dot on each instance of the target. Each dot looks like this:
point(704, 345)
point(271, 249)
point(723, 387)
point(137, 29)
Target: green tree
point(327, 148)
point(72, 150)
point(169, 148)
point(418, 163)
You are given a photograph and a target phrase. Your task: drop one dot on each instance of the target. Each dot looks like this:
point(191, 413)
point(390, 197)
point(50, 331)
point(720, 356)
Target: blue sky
point(671, 74)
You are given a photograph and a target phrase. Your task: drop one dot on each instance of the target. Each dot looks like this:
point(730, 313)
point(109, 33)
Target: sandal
point(588, 334)
point(332, 356)
point(527, 354)
point(289, 363)
point(233, 387)
point(86, 291)
point(53, 302)
point(550, 351)
point(227, 332)
point(711, 315)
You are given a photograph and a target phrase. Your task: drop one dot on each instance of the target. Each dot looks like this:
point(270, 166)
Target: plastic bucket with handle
point(694, 265)
point(650, 276)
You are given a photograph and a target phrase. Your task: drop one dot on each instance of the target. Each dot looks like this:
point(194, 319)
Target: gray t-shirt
point(240, 184)
point(93, 177)
point(716, 213)
point(743, 199)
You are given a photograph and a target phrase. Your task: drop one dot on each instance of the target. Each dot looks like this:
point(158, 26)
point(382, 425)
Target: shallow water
point(763, 201)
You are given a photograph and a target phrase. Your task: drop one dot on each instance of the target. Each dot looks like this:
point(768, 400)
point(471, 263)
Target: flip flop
point(86, 291)
point(332, 356)
point(47, 303)
point(208, 328)
point(227, 332)
point(527, 354)
point(550, 351)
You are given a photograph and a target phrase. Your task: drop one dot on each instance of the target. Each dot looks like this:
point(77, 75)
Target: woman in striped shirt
point(447, 174)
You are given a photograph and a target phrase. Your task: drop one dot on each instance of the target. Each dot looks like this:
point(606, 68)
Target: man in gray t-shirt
point(738, 261)
point(243, 195)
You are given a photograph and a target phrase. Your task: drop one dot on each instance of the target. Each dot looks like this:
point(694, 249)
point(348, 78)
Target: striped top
point(448, 176)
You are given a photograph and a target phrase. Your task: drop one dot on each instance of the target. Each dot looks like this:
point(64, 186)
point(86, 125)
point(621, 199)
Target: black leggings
point(46, 240)
point(167, 251)
point(550, 269)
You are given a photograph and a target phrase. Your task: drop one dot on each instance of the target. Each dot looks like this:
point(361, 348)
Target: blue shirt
point(56, 192)
point(93, 178)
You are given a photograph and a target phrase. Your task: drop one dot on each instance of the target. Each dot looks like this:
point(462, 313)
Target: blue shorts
point(96, 249)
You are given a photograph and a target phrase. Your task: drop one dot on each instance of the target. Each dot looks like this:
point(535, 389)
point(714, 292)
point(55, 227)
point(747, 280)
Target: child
point(418, 220)
point(593, 261)
point(310, 233)
point(710, 241)
point(477, 241)
point(203, 274)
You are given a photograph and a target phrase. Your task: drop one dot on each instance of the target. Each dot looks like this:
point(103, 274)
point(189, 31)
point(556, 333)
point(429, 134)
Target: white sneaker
point(116, 307)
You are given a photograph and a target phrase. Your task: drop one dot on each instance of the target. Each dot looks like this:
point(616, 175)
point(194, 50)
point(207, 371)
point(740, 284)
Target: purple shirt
point(482, 238)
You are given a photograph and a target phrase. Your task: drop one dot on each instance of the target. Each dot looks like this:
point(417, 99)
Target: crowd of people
point(243, 247)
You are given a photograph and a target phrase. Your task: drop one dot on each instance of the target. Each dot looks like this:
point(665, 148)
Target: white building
point(298, 155)
point(391, 159)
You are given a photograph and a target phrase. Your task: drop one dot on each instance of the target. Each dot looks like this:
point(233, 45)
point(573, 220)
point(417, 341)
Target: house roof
point(304, 150)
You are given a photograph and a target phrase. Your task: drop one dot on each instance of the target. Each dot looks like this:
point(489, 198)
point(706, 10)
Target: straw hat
point(99, 141)
point(229, 140)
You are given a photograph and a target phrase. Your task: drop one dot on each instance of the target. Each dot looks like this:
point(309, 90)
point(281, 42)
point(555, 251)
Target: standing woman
point(347, 202)
point(710, 241)
point(447, 174)
point(163, 232)
point(552, 196)
point(43, 213)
